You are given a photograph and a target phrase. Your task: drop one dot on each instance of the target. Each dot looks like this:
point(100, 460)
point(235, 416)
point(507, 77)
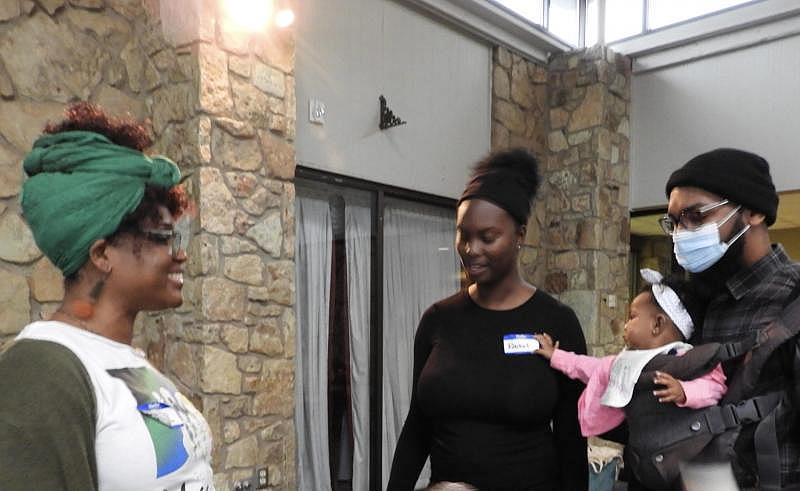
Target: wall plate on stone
point(243, 484)
point(259, 480)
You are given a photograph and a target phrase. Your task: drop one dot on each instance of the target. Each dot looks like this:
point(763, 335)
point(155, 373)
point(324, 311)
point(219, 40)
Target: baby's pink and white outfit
point(596, 418)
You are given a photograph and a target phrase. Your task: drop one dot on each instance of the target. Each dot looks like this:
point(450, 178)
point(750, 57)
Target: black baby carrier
point(662, 435)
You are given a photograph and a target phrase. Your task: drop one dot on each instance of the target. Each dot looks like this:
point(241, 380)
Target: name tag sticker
point(162, 412)
point(519, 344)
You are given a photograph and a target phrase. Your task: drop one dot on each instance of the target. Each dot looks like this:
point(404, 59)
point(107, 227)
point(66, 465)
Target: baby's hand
point(673, 391)
point(546, 345)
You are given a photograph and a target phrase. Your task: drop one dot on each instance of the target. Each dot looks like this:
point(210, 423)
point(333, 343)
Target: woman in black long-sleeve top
point(485, 409)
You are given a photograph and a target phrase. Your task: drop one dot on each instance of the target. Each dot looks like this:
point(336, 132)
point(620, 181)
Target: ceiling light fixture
point(249, 15)
point(284, 17)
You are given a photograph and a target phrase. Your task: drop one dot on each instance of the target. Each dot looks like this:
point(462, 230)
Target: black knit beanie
point(508, 179)
point(741, 177)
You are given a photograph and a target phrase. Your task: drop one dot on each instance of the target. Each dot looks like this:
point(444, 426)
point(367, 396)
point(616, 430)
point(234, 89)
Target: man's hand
point(546, 345)
point(673, 391)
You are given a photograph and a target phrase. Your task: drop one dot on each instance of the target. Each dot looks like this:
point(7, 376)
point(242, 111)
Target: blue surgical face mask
point(699, 249)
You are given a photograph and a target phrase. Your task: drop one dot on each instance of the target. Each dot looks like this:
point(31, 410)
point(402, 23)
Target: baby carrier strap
point(663, 435)
point(692, 364)
point(739, 407)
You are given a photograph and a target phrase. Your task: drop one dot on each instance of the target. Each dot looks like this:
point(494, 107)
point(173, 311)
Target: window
point(369, 260)
point(332, 264)
point(623, 18)
point(563, 20)
point(532, 10)
point(662, 13)
point(592, 23)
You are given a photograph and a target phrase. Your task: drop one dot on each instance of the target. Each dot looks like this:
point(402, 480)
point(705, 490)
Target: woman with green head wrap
point(81, 409)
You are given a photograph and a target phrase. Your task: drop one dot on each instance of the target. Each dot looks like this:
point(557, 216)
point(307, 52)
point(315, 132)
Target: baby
point(659, 323)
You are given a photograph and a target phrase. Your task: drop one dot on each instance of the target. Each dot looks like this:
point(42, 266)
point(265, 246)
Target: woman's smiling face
point(144, 269)
point(487, 240)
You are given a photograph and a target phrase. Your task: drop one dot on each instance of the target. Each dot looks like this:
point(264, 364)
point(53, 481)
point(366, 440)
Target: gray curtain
point(312, 270)
point(420, 267)
point(358, 240)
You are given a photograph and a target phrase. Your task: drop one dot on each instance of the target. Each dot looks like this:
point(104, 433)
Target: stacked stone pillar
point(237, 351)
point(588, 229)
point(578, 234)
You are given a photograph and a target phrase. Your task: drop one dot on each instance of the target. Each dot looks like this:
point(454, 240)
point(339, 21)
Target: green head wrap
point(80, 188)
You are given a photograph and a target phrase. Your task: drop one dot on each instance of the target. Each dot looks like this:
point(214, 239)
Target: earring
point(84, 309)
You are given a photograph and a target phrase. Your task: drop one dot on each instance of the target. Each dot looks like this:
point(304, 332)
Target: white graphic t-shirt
point(148, 435)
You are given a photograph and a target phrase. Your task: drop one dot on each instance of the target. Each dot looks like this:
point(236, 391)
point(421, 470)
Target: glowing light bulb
point(284, 18)
point(249, 15)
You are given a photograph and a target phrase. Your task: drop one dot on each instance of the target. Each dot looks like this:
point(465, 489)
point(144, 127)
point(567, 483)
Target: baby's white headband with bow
point(668, 300)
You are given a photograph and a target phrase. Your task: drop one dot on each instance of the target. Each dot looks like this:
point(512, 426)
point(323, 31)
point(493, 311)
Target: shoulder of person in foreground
point(454, 305)
point(47, 419)
point(456, 302)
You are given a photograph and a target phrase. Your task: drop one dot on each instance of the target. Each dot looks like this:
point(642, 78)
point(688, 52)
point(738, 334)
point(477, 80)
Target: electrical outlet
point(262, 478)
point(259, 480)
point(243, 485)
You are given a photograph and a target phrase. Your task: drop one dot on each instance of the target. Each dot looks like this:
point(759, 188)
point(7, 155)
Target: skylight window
point(563, 20)
point(624, 18)
point(577, 21)
point(662, 13)
point(532, 10)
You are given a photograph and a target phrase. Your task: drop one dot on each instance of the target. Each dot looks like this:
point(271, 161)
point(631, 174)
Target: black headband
point(508, 190)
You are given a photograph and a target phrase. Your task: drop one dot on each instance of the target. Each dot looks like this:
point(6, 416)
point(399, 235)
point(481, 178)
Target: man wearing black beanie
point(720, 206)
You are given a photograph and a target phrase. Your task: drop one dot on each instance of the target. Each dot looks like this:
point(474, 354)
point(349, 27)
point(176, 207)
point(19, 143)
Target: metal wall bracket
point(388, 119)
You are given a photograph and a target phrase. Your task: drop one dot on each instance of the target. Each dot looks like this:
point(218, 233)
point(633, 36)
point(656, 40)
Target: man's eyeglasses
point(689, 218)
point(173, 238)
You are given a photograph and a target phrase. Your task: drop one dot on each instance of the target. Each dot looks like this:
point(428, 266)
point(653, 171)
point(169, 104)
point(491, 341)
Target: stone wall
point(575, 117)
point(588, 199)
point(222, 105)
point(520, 119)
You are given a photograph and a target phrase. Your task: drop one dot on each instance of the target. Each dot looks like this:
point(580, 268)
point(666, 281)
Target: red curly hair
point(85, 116)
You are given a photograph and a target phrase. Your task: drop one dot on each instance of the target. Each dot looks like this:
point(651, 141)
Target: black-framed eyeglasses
point(173, 238)
point(689, 218)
